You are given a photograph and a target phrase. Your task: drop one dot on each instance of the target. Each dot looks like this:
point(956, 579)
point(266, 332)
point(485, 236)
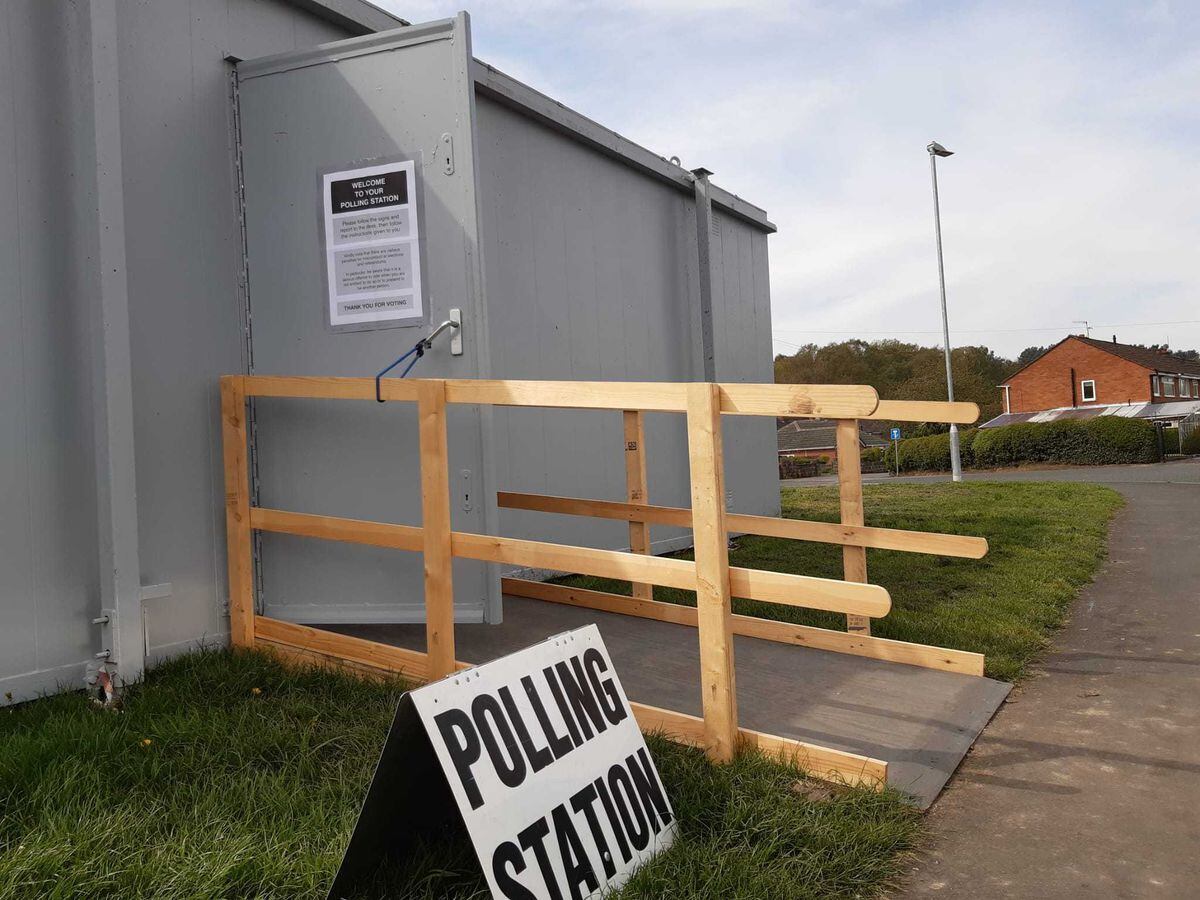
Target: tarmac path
point(1087, 783)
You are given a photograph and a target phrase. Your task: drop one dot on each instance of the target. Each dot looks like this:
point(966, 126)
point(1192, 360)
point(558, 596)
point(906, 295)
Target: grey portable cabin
point(189, 247)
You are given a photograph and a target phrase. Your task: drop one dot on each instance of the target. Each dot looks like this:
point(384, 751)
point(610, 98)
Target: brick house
point(814, 438)
point(1080, 376)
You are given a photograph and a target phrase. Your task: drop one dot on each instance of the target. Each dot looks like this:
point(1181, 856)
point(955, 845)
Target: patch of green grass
point(245, 793)
point(1046, 540)
point(230, 775)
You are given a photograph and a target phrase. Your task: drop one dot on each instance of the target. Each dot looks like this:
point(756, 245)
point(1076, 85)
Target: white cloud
point(1073, 193)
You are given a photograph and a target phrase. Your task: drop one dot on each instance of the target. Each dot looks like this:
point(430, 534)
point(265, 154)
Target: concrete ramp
point(920, 721)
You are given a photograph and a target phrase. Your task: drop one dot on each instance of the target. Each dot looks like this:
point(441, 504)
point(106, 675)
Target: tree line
point(903, 371)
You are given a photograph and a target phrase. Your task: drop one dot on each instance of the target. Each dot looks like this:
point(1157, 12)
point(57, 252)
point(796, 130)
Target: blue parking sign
point(895, 434)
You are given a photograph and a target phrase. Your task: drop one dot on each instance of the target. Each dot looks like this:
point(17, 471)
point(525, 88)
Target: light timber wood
point(820, 762)
point(329, 388)
point(736, 399)
point(635, 489)
point(410, 663)
point(824, 763)
point(828, 400)
point(299, 657)
point(854, 559)
point(237, 511)
point(812, 400)
point(797, 400)
point(798, 529)
point(959, 412)
point(711, 546)
point(584, 598)
point(772, 587)
point(813, 593)
point(435, 512)
point(940, 658)
point(602, 509)
point(654, 396)
point(332, 528)
point(862, 536)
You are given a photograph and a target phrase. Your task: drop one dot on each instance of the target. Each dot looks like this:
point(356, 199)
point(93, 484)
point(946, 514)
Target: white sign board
point(549, 769)
point(372, 236)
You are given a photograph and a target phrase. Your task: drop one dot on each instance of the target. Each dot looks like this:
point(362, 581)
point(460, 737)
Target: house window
point(1088, 390)
point(1168, 385)
point(1154, 385)
point(1196, 389)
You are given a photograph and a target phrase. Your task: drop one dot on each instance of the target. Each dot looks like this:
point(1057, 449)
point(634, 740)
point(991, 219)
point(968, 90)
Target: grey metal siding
point(48, 535)
point(184, 256)
point(592, 272)
point(742, 338)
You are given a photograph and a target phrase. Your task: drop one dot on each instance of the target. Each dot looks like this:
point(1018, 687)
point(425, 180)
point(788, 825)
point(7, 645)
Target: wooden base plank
point(301, 645)
point(409, 663)
point(824, 763)
point(927, 657)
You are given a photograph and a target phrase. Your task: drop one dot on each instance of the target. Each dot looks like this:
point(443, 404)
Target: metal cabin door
point(405, 94)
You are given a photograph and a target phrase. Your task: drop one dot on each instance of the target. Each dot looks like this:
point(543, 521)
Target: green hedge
point(1102, 440)
point(932, 453)
point(1191, 444)
point(1171, 441)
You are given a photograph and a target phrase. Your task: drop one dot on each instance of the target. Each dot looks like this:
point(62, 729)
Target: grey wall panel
point(591, 271)
point(357, 460)
point(742, 335)
point(184, 255)
point(48, 555)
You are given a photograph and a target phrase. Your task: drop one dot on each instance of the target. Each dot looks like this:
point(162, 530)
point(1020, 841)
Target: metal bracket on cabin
point(419, 348)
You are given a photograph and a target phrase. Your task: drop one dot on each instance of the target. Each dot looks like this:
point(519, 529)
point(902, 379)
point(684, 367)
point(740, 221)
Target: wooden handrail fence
point(710, 575)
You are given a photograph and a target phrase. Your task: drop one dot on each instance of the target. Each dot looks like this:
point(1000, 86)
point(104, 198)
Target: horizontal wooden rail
point(327, 388)
point(410, 663)
point(941, 658)
point(773, 587)
point(821, 762)
point(805, 400)
point(958, 412)
point(331, 528)
point(790, 400)
point(797, 529)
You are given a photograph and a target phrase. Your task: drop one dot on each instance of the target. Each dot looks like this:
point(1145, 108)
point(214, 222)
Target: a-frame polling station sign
point(541, 757)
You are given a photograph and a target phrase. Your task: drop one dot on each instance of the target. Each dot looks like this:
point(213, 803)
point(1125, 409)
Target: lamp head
point(936, 149)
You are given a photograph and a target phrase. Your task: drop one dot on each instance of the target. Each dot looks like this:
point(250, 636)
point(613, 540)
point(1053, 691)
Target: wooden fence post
point(435, 513)
point(635, 490)
point(714, 615)
point(854, 559)
point(238, 536)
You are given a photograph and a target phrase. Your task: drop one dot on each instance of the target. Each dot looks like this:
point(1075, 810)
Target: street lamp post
point(935, 150)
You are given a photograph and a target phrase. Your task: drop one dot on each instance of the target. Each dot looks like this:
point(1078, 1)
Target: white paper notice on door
point(372, 245)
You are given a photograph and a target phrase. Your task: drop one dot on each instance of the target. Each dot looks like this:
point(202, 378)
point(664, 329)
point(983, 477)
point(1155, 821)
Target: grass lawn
point(1046, 541)
point(229, 775)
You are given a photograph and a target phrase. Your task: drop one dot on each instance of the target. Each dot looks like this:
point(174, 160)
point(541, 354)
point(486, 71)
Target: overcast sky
point(1074, 192)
